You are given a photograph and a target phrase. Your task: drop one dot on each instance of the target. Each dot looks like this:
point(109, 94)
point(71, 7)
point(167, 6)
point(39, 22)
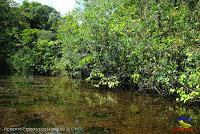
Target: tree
point(151, 45)
point(39, 16)
point(8, 26)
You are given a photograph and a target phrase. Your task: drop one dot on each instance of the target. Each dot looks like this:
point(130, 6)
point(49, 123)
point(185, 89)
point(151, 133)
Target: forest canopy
point(148, 45)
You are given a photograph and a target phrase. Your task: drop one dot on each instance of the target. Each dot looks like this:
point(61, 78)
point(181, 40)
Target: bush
point(36, 54)
point(150, 45)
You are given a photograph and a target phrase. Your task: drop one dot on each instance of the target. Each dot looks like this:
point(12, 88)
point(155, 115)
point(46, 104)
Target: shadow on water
point(34, 122)
point(98, 130)
point(71, 106)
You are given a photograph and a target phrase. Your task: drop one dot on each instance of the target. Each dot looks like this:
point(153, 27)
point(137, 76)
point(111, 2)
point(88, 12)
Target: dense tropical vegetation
point(148, 45)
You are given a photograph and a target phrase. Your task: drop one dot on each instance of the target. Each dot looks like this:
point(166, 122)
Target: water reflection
point(57, 102)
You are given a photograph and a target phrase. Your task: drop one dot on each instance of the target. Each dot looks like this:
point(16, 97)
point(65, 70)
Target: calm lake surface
point(72, 106)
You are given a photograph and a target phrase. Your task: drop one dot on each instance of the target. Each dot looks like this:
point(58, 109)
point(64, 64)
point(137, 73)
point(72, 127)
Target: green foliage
point(31, 36)
point(135, 78)
point(36, 54)
point(22, 61)
point(20, 33)
point(8, 22)
point(152, 45)
point(39, 16)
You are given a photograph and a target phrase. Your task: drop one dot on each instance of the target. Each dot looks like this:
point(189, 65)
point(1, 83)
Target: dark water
point(71, 106)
